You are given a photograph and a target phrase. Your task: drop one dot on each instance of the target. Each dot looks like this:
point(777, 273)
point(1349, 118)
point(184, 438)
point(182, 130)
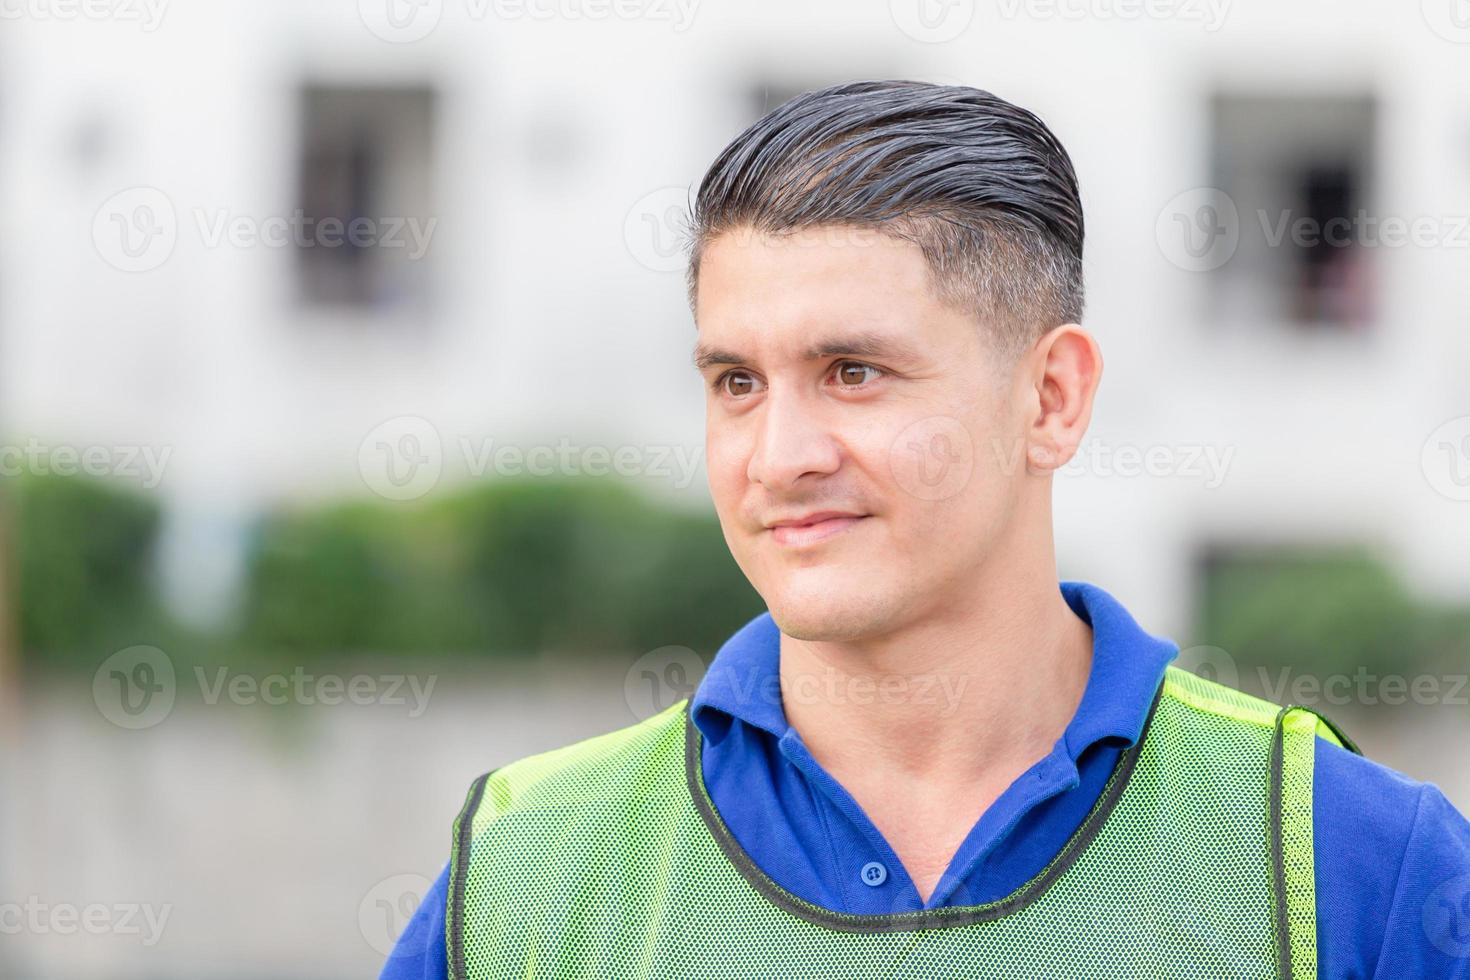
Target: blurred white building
point(520, 166)
point(154, 305)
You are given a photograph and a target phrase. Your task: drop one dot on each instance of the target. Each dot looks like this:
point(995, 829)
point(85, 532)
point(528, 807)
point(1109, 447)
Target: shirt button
point(873, 874)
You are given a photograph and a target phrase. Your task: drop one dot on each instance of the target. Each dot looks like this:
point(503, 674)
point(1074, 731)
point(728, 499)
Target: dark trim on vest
point(463, 837)
point(941, 918)
point(1347, 743)
point(1278, 844)
point(1278, 856)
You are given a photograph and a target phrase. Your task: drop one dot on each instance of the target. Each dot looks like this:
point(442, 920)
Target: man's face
point(863, 454)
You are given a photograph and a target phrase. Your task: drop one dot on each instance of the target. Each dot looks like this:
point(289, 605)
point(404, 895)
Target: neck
point(982, 687)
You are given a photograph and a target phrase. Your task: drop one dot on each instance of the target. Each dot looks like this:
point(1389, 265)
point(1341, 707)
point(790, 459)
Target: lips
point(811, 528)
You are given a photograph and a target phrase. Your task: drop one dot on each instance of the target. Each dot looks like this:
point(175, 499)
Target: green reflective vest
point(607, 859)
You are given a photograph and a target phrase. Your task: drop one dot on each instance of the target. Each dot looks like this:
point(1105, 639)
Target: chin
point(830, 608)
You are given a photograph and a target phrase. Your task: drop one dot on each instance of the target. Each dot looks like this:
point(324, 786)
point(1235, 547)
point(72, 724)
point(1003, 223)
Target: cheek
point(726, 461)
point(930, 462)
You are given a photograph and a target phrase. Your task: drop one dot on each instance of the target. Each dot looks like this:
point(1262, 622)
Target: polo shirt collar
point(743, 682)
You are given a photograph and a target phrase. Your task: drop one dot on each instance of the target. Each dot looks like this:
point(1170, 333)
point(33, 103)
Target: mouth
point(812, 528)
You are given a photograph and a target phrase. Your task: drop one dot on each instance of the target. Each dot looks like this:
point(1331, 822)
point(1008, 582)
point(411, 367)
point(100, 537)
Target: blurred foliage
point(506, 567)
point(1324, 611)
point(509, 567)
point(516, 567)
point(82, 557)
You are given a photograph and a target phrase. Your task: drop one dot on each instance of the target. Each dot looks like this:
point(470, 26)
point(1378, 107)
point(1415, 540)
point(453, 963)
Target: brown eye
point(738, 383)
point(850, 373)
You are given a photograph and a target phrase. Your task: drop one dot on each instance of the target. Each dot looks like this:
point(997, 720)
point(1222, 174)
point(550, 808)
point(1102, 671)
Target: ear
point(1064, 369)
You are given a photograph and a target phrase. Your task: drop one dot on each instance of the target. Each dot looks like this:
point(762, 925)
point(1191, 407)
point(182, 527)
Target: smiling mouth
point(819, 528)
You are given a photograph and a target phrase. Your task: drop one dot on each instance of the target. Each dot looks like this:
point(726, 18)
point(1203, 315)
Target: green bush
point(1324, 611)
point(508, 567)
point(83, 551)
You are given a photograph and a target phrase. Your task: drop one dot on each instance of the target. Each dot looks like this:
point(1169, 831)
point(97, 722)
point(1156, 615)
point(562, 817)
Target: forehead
point(784, 289)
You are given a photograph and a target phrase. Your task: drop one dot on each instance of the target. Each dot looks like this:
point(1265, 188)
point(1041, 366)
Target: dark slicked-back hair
point(980, 185)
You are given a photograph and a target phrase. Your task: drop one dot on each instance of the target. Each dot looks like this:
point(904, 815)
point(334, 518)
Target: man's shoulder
point(1227, 706)
point(1377, 804)
point(1392, 870)
point(1345, 778)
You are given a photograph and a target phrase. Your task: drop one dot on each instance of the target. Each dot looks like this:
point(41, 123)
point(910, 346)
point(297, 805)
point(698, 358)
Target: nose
point(793, 441)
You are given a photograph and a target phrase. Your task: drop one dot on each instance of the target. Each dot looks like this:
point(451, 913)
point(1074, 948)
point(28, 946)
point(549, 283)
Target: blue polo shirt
point(1392, 855)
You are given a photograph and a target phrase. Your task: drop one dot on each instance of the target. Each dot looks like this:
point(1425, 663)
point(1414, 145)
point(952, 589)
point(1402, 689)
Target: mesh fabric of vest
point(607, 859)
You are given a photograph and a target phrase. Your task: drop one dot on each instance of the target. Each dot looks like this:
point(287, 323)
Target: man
point(930, 758)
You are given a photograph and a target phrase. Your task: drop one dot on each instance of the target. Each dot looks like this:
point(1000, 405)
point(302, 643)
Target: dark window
point(1299, 170)
point(365, 194)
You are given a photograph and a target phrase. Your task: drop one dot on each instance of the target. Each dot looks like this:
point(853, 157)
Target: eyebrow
point(851, 345)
